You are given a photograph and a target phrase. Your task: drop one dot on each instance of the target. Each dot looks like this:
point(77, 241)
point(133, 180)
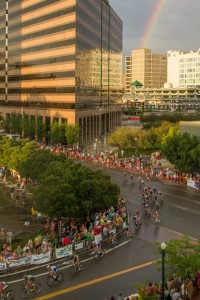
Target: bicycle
point(8, 295)
point(99, 254)
point(128, 233)
point(73, 268)
point(27, 291)
point(51, 280)
point(112, 239)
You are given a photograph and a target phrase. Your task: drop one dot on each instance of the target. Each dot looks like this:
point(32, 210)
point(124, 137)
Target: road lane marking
point(87, 283)
point(181, 207)
point(197, 202)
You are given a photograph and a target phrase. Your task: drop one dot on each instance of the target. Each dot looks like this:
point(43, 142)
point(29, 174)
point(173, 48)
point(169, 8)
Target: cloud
point(176, 26)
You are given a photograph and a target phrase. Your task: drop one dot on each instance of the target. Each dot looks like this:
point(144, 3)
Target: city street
point(132, 262)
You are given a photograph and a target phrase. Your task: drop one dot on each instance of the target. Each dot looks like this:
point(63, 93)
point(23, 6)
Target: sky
point(159, 25)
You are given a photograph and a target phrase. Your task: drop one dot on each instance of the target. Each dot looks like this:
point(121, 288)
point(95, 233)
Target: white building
point(183, 68)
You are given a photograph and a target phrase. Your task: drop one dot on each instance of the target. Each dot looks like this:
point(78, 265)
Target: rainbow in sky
point(152, 22)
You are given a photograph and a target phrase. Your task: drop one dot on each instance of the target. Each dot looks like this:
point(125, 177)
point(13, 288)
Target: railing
point(11, 264)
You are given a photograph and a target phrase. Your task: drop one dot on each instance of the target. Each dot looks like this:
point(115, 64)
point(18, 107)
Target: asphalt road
point(122, 268)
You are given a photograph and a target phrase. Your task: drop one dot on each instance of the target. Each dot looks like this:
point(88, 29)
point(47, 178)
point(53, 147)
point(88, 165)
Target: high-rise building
point(61, 60)
point(183, 68)
point(146, 67)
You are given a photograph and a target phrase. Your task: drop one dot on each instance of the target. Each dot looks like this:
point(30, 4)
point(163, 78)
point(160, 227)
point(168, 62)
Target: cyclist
point(53, 271)
point(128, 232)
point(140, 181)
point(98, 248)
point(74, 259)
point(160, 196)
point(156, 216)
point(28, 280)
point(147, 209)
point(137, 219)
point(124, 176)
point(131, 178)
point(3, 287)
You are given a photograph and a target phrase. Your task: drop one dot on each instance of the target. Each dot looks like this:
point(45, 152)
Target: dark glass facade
point(65, 54)
point(99, 53)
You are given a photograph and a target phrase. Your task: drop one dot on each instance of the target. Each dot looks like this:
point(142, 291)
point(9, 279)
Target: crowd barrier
point(59, 253)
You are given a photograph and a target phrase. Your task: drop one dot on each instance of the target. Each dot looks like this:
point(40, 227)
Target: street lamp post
point(163, 247)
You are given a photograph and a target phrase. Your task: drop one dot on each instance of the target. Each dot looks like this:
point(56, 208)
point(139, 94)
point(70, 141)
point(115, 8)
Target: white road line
point(67, 266)
point(181, 207)
point(197, 202)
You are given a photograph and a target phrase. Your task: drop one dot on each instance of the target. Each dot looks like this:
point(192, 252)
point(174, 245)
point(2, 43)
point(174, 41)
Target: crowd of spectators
point(175, 289)
point(61, 233)
point(147, 165)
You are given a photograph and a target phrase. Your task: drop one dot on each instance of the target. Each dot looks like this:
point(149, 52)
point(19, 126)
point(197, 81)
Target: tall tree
point(177, 148)
point(72, 134)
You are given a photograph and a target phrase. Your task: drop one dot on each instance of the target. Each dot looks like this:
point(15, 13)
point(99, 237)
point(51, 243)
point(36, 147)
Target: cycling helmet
point(48, 266)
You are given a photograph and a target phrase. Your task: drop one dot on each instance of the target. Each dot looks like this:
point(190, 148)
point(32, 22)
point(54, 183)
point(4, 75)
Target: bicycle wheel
point(80, 266)
point(50, 280)
point(72, 270)
point(25, 293)
point(10, 295)
point(37, 287)
point(60, 276)
point(96, 256)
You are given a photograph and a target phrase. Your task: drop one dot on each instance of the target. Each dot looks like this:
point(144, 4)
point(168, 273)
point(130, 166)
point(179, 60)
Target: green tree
point(36, 163)
point(57, 133)
point(178, 148)
point(72, 134)
point(182, 257)
point(195, 155)
point(125, 138)
point(73, 190)
point(29, 127)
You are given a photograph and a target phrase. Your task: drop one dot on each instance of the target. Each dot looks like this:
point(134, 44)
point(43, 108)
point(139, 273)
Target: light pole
point(163, 247)
point(36, 121)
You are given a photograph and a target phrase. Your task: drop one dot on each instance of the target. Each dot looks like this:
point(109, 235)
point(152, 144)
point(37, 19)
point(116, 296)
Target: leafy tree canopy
point(73, 190)
point(179, 150)
point(72, 134)
point(182, 257)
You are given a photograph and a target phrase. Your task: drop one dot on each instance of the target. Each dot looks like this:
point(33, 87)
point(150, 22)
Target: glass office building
point(62, 60)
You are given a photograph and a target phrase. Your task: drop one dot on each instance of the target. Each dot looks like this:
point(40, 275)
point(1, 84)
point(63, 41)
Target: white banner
point(3, 267)
point(124, 225)
point(40, 258)
point(190, 183)
point(19, 262)
point(63, 252)
point(98, 238)
point(78, 246)
point(113, 231)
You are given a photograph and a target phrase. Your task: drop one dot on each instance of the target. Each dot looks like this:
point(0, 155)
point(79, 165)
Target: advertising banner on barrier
point(63, 252)
point(19, 262)
point(3, 267)
point(40, 258)
point(112, 231)
point(98, 238)
point(78, 246)
point(190, 183)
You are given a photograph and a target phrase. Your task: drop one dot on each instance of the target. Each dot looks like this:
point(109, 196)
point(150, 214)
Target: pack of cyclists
point(151, 202)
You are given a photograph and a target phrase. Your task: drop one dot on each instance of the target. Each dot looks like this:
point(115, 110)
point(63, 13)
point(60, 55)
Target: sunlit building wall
point(183, 68)
point(148, 68)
